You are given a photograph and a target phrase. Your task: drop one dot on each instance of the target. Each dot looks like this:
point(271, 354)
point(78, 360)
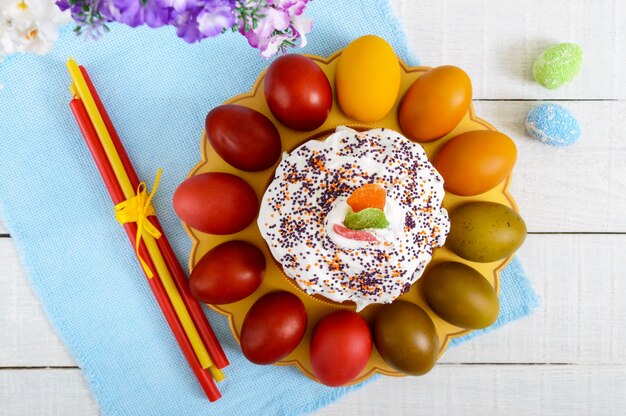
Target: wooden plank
point(45, 392)
point(580, 279)
point(27, 337)
point(581, 188)
point(493, 390)
point(557, 390)
point(496, 42)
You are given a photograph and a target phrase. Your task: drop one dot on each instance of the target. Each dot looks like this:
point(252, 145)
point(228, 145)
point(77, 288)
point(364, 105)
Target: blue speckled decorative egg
point(553, 124)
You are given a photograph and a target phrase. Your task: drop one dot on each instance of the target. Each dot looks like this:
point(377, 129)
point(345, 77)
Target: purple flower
point(157, 13)
point(154, 13)
point(269, 25)
point(195, 19)
point(128, 12)
point(87, 15)
point(216, 17)
point(184, 19)
point(64, 5)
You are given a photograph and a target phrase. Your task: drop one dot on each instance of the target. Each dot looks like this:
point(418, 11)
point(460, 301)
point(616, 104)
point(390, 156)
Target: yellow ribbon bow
point(138, 209)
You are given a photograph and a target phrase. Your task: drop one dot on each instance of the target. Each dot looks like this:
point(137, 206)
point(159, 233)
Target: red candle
point(195, 310)
point(117, 196)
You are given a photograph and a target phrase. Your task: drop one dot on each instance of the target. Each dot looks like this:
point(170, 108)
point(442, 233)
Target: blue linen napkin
point(157, 90)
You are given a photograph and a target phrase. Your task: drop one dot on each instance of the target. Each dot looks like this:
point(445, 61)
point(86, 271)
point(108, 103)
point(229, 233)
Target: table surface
point(566, 359)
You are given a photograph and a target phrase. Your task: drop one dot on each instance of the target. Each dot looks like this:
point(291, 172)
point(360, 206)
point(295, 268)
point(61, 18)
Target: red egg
point(216, 203)
point(298, 92)
point(273, 327)
point(243, 137)
point(229, 272)
point(341, 346)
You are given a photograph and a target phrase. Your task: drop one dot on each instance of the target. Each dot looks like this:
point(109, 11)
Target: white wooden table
point(569, 358)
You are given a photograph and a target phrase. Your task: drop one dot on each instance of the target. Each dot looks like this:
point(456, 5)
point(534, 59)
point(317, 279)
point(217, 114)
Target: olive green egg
point(460, 295)
point(485, 231)
point(406, 338)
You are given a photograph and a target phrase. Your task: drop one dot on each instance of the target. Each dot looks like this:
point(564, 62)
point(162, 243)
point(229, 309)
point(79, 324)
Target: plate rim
point(195, 242)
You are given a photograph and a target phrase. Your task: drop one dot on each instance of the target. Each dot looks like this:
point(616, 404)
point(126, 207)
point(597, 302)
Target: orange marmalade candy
point(367, 196)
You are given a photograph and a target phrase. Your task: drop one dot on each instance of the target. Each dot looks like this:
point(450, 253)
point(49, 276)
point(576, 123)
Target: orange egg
point(474, 162)
point(435, 103)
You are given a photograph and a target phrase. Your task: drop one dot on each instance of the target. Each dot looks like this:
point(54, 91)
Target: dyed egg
point(341, 346)
point(435, 103)
point(216, 203)
point(460, 295)
point(243, 137)
point(228, 273)
point(485, 231)
point(553, 124)
point(474, 162)
point(273, 327)
point(298, 92)
point(558, 65)
point(406, 338)
point(367, 79)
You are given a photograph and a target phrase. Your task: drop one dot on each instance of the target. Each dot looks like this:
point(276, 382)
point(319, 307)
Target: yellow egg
point(367, 79)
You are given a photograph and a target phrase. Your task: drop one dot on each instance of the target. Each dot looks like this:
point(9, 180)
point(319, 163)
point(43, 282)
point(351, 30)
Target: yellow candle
point(80, 87)
point(217, 374)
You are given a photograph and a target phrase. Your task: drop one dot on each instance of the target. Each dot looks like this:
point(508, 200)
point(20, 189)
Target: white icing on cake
point(307, 197)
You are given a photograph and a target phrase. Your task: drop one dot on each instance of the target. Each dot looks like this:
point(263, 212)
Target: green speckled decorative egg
point(558, 65)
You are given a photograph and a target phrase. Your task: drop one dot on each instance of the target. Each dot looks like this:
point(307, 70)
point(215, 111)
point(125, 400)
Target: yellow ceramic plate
point(274, 279)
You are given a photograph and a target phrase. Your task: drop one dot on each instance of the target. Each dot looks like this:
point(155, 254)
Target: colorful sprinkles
point(306, 186)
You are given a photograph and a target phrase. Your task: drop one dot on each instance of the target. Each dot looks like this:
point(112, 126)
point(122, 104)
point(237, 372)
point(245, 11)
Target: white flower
point(29, 25)
point(302, 26)
point(273, 45)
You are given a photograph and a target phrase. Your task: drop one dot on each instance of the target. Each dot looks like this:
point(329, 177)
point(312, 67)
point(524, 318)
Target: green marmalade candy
point(558, 65)
point(367, 218)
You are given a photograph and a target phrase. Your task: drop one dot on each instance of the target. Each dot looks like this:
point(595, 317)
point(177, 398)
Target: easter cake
point(312, 226)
